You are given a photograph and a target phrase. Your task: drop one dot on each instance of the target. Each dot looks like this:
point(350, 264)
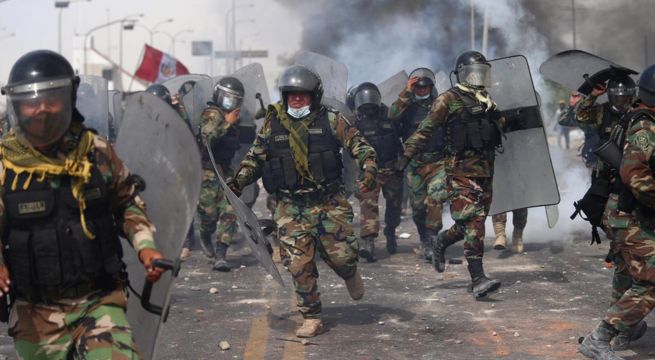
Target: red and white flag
point(157, 66)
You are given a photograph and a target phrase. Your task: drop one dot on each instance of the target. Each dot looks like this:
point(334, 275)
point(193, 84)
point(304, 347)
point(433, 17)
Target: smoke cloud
point(376, 39)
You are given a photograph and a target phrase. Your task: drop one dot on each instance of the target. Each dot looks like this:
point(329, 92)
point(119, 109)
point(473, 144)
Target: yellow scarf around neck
point(20, 157)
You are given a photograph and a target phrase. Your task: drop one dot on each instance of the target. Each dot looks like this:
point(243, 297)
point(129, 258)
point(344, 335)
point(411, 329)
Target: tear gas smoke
point(376, 39)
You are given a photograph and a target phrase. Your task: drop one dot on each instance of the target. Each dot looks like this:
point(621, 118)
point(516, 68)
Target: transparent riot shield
point(195, 91)
point(523, 172)
point(250, 225)
point(334, 74)
point(154, 142)
point(254, 82)
point(115, 113)
point(391, 87)
point(442, 82)
point(93, 103)
point(573, 68)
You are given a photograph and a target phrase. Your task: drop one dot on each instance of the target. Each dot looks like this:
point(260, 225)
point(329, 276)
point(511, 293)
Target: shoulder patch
point(642, 141)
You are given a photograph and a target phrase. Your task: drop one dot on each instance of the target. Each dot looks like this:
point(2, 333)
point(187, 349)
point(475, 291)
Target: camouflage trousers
point(426, 183)
point(306, 227)
point(214, 207)
point(93, 327)
point(614, 226)
point(470, 199)
point(390, 183)
point(519, 218)
point(633, 251)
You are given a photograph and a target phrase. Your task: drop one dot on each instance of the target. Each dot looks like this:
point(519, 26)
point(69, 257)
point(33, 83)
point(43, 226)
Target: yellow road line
point(259, 328)
point(293, 350)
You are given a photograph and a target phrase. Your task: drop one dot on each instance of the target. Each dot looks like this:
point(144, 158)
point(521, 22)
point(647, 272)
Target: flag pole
point(129, 88)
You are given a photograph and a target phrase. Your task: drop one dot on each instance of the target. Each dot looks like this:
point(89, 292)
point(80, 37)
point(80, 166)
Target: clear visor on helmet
point(620, 103)
point(423, 73)
point(229, 99)
point(41, 112)
point(622, 90)
point(367, 96)
point(475, 75)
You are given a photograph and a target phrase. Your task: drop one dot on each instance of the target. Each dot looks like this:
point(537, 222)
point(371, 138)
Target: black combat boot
point(623, 339)
point(206, 245)
point(221, 264)
point(367, 249)
point(481, 285)
point(392, 245)
point(597, 344)
point(439, 245)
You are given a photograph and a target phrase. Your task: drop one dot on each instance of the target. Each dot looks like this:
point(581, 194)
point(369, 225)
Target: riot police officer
point(471, 122)
point(66, 197)
point(373, 123)
point(220, 134)
point(629, 218)
point(424, 170)
point(298, 155)
point(598, 120)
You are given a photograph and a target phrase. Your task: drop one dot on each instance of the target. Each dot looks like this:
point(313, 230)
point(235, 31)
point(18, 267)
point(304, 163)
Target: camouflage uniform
point(388, 181)
point(214, 206)
point(519, 218)
point(634, 230)
point(425, 173)
point(467, 185)
point(313, 218)
point(93, 326)
point(608, 125)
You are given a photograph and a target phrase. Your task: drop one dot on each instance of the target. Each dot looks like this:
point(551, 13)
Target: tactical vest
point(381, 133)
point(611, 122)
point(471, 128)
point(415, 114)
point(45, 248)
point(325, 162)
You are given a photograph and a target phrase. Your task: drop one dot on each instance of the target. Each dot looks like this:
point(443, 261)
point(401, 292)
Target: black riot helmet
point(228, 93)
point(367, 98)
point(161, 92)
point(473, 69)
point(41, 93)
point(647, 86)
point(298, 78)
point(621, 92)
point(425, 78)
point(350, 97)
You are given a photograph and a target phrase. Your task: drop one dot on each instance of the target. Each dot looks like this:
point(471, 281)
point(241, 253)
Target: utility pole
point(575, 45)
point(472, 26)
point(485, 31)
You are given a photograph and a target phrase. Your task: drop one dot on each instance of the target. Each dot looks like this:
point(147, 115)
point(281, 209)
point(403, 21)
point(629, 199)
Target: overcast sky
point(35, 24)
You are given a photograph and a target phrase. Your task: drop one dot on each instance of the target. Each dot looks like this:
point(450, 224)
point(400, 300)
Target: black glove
point(234, 187)
point(401, 164)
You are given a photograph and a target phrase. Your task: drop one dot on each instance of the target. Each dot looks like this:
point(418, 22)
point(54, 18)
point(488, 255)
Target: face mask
point(227, 103)
point(299, 112)
point(421, 97)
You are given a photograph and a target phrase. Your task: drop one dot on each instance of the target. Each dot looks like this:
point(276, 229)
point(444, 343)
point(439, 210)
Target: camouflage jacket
point(129, 209)
point(397, 114)
point(638, 165)
point(350, 139)
point(181, 110)
point(212, 127)
point(590, 115)
point(467, 163)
